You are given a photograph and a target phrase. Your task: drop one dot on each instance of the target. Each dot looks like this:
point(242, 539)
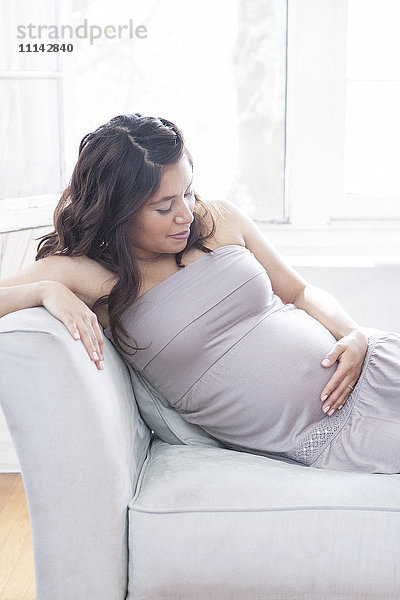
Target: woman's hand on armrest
point(77, 317)
point(68, 287)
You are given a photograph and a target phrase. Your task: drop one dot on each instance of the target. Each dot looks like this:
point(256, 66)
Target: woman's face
point(168, 212)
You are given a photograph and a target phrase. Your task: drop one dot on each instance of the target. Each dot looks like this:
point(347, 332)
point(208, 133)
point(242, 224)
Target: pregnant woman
point(198, 301)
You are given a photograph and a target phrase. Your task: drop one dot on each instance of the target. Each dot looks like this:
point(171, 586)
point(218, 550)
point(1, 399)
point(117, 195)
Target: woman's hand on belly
point(350, 352)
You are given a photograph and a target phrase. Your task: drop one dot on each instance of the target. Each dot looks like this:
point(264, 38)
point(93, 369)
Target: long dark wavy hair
point(119, 168)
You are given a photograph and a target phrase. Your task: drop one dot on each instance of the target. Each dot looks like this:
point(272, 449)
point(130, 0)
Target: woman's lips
point(181, 236)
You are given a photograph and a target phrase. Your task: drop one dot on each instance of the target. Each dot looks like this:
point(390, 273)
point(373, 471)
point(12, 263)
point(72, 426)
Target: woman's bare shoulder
point(227, 224)
point(78, 273)
point(91, 280)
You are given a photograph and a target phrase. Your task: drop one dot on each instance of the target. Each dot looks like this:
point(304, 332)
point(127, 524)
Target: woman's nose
point(185, 215)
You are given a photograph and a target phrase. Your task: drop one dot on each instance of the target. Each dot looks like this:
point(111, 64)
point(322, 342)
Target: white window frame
point(31, 212)
point(315, 109)
point(315, 141)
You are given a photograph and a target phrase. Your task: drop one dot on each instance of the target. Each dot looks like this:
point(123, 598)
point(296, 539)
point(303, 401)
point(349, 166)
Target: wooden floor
point(17, 577)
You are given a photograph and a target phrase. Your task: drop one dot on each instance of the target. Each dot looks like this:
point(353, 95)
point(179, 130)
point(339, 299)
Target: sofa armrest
point(81, 444)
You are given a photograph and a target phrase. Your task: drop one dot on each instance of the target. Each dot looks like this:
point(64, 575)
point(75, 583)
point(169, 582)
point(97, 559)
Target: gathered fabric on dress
point(231, 357)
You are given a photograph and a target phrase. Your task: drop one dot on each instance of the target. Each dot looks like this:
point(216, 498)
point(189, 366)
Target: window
point(372, 125)
point(343, 123)
point(31, 128)
point(265, 92)
point(216, 69)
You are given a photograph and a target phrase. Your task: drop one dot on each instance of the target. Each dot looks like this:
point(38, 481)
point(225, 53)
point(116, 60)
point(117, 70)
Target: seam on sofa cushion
point(259, 509)
point(142, 473)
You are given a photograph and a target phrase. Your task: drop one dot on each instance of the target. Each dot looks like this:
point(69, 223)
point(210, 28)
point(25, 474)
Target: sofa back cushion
point(165, 421)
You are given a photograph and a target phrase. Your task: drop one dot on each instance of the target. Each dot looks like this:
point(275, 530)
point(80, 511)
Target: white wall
point(370, 294)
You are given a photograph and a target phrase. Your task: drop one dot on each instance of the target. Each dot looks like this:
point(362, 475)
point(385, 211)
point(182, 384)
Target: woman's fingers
point(99, 338)
point(93, 345)
point(77, 317)
point(337, 390)
point(338, 397)
point(70, 324)
point(90, 334)
point(100, 343)
point(350, 352)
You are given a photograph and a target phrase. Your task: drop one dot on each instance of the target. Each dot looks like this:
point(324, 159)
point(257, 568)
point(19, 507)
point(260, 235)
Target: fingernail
point(331, 412)
point(324, 397)
point(101, 365)
point(325, 362)
point(341, 406)
point(95, 356)
point(326, 409)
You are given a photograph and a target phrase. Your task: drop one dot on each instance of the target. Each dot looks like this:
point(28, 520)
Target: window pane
point(372, 134)
point(29, 128)
point(20, 13)
point(373, 139)
point(217, 69)
point(373, 42)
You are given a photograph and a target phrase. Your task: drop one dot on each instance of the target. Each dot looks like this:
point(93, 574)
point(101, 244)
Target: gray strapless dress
point(229, 356)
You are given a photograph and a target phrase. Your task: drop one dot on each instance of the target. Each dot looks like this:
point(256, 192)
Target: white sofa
point(120, 512)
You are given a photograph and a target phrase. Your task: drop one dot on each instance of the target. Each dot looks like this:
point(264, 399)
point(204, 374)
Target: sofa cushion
point(165, 421)
point(216, 523)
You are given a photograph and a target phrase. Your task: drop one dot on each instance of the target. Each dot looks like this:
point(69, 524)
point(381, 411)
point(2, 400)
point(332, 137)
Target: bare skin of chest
point(164, 267)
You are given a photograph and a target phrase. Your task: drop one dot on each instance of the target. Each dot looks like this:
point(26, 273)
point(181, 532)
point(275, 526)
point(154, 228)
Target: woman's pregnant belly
point(264, 392)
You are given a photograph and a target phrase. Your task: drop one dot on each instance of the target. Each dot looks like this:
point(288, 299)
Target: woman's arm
point(291, 287)
point(326, 309)
point(18, 297)
point(67, 287)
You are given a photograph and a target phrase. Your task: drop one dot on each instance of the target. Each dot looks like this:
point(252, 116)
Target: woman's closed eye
point(166, 211)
